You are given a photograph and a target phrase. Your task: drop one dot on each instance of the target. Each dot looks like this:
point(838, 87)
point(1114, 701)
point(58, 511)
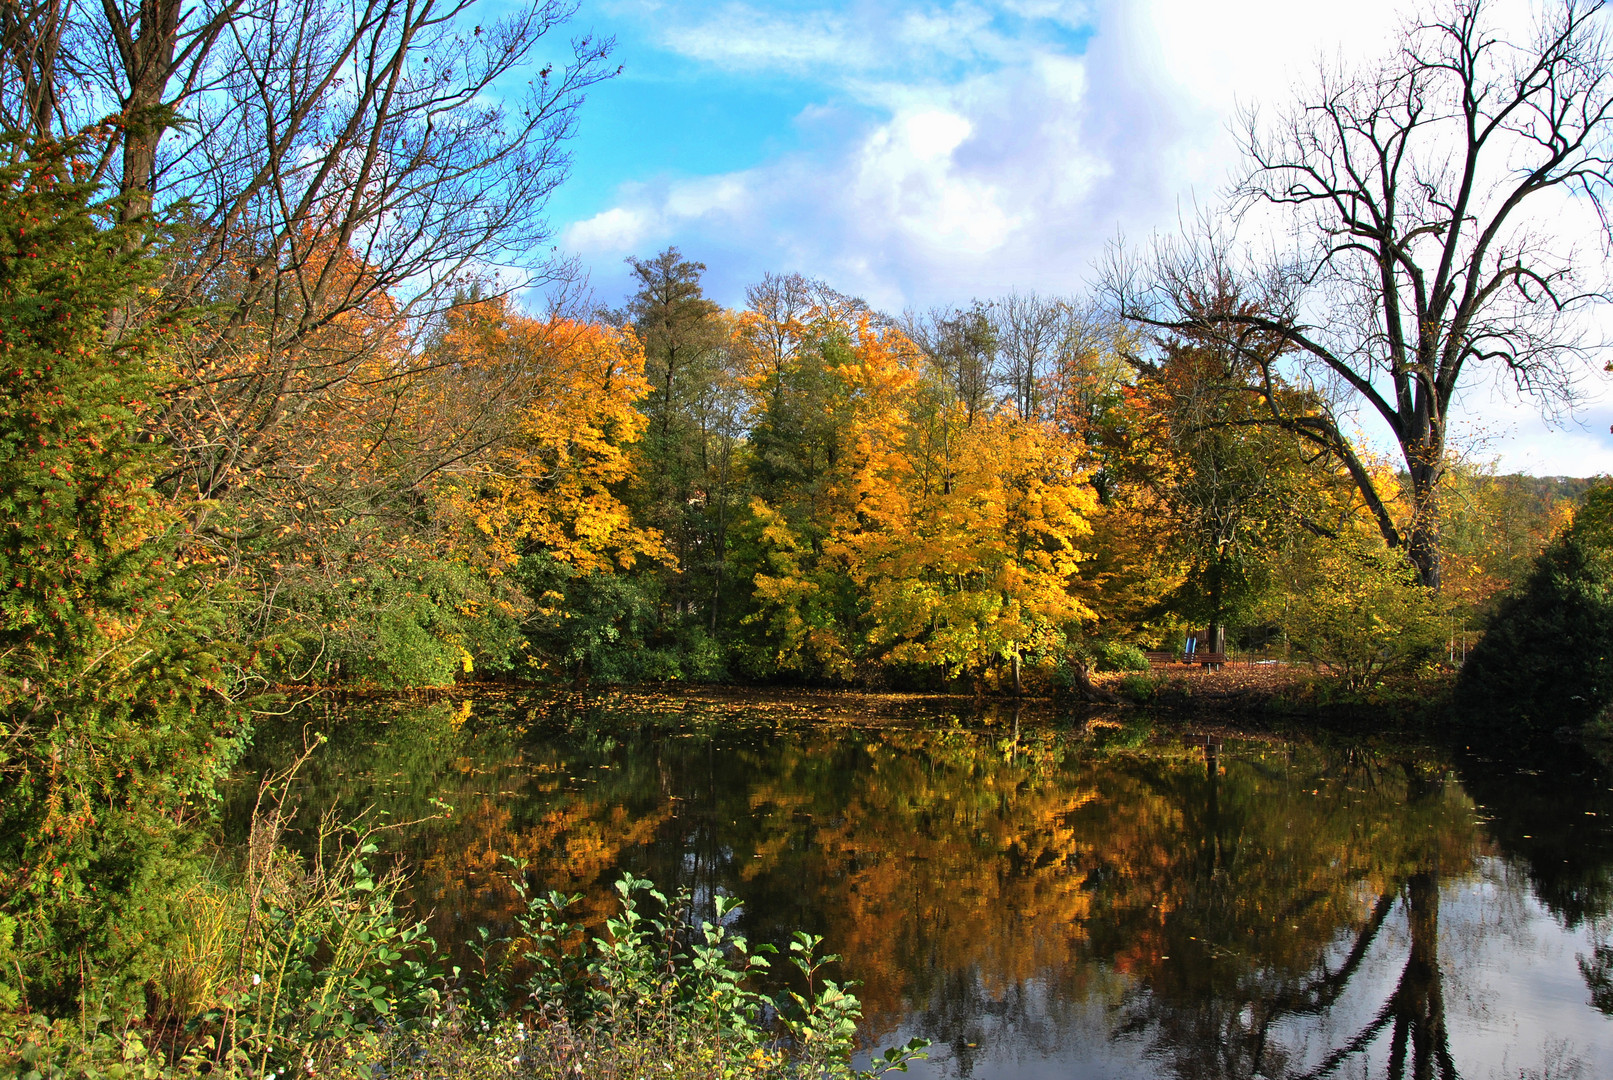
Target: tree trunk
point(148, 61)
point(1215, 634)
point(1422, 540)
point(1084, 687)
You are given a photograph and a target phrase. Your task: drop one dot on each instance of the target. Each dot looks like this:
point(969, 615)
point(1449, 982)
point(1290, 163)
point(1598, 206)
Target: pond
point(1038, 896)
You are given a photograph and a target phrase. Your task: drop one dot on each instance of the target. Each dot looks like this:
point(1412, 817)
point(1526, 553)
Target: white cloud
point(1557, 451)
point(862, 38)
point(1069, 13)
point(961, 189)
point(617, 229)
point(907, 179)
point(739, 37)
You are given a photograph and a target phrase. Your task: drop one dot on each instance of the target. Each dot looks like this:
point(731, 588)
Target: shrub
point(1120, 656)
point(1140, 688)
point(114, 715)
point(1359, 613)
point(660, 978)
point(309, 968)
point(1546, 658)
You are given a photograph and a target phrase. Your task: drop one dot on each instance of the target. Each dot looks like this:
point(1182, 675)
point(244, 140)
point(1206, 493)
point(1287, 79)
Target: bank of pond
point(1034, 894)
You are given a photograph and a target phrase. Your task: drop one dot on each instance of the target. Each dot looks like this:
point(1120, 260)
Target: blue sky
point(923, 153)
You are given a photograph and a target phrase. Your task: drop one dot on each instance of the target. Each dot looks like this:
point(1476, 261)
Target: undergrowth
point(304, 966)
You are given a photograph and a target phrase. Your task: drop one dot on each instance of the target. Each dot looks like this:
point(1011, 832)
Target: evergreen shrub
point(1546, 658)
point(115, 721)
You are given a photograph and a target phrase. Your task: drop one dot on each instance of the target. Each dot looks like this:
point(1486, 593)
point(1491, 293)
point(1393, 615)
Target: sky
point(921, 154)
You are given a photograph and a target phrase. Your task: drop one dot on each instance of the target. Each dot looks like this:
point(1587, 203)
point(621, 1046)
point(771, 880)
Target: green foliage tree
point(687, 465)
point(111, 730)
point(1233, 485)
point(1357, 610)
point(602, 626)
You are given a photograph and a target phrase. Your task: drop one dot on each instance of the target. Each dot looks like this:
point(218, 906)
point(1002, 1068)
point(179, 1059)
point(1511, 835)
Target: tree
point(794, 340)
point(1032, 332)
point(820, 387)
point(1546, 657)
point(1232, 487)
point(963, 346)
point(969, 566)
point(1435, 196)
point(114, 704)
point(552, 486)
point(690, 427)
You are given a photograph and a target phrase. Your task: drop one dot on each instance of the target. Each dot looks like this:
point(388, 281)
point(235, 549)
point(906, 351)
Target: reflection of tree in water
point(1226, 1029)
point(984, 881)
point(1598, 971)
point(1550, 815)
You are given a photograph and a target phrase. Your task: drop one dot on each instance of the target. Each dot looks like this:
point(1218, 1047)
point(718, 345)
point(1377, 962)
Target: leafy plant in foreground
point(657, 974)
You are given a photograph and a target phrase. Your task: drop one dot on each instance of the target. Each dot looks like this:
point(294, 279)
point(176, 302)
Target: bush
point(661, 979)
point(1120, 656)
point(1360, 614)
point(1546, 658)
point(307, 967)
point(406, 621)
point(1140, 688)
point(290, 964)
point(605, 627)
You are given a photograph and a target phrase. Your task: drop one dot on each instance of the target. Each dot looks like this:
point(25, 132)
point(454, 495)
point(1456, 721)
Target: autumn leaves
point(918, 535)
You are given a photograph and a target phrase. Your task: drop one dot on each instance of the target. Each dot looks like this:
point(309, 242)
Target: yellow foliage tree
point(551, 486)
point(967, 563)
point(954, 533)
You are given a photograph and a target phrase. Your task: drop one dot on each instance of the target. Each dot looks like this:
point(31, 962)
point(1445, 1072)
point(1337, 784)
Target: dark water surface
point(1039, 897)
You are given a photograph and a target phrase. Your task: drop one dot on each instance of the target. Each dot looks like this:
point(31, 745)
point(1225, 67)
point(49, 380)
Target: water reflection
point(1039, 898)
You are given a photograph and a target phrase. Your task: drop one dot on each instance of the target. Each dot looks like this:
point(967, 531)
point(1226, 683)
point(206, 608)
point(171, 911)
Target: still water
point(1038, 896)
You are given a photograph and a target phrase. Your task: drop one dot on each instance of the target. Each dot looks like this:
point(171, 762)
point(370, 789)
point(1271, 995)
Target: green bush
point(658, 976)
point(1546, 658)
point(1120, 656)
point(605, 627)
point(1358, 612)
point(393, 623)
point(1140, 688)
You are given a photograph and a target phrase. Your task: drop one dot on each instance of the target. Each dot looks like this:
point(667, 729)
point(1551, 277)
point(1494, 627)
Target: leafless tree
point(1439, 200)
point(321, 163)
point(1031, 330)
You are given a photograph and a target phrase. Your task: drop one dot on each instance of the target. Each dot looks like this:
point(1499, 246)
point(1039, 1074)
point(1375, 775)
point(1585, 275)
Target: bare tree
point(322, 162)
point(1435, 197)
point(1031, 330)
